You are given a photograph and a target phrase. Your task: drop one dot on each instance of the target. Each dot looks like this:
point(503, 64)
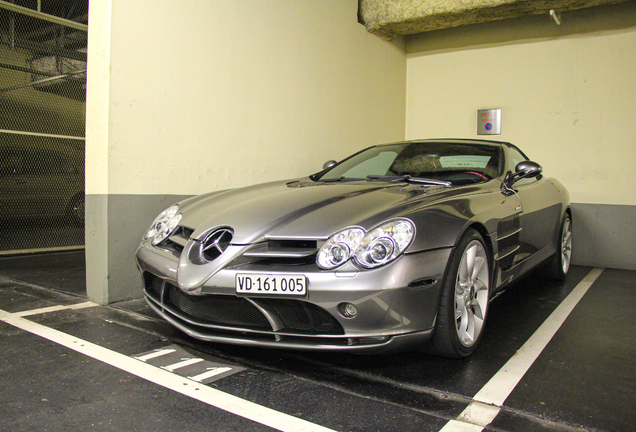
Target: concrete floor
point(84, 376)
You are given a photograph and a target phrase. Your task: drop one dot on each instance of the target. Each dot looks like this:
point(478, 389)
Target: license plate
point(274, 285)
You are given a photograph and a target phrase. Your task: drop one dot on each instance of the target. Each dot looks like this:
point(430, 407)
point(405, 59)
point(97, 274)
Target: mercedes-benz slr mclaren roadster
point(400, 245)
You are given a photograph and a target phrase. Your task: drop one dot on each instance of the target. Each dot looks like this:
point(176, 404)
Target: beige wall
point(207, 95)
point(190, 96)
point(568, 93)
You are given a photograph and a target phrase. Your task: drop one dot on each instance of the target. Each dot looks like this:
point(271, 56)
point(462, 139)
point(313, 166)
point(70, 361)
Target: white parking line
point(184, 386)
point(55, 309)
point(488, 401)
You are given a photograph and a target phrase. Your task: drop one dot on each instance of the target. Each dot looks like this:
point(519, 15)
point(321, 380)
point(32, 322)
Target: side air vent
point(215, 244)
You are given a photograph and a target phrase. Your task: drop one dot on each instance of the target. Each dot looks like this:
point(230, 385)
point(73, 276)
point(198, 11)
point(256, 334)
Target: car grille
point(268, 253)
point(283, 252)
point(180, 237)
point(228, 311)
point(301, 316)
point(177, 240)
point(216, 309)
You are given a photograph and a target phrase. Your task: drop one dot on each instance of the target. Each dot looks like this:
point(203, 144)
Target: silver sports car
point(398, 245)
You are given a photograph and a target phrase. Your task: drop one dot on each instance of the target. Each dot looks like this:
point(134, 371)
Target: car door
point(541, 210)
point(508, 231)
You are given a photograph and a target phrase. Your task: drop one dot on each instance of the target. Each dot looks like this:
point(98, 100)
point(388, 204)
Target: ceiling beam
point(43, 48)
point(391, 18)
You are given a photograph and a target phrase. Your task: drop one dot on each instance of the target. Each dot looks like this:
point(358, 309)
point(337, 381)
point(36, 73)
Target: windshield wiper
point(339, 179)
point(329, 180)
point(407, 178)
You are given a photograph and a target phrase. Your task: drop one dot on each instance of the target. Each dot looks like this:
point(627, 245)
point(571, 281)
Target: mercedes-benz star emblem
point(215, 244)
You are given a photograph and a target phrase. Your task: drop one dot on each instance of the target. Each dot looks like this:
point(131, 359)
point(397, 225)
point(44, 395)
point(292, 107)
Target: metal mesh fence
point(42, 116)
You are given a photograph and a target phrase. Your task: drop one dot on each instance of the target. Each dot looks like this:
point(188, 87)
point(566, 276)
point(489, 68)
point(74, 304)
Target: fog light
point(347, 310)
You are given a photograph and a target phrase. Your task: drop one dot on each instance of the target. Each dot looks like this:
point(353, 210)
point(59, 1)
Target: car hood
point(303, 208)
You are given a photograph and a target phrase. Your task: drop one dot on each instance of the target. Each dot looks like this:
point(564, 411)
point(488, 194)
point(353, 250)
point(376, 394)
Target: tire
point(558, 265)
point(464, 299)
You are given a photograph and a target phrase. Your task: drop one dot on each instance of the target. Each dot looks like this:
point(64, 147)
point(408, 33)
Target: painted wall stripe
point(491, 397)
point(184, 386)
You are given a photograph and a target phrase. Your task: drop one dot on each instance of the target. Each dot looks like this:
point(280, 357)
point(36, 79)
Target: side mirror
point(525, 169)
point(329, 164)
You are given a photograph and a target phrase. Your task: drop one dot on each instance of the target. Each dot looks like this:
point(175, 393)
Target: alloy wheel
point(566, 245)
point(471, 293)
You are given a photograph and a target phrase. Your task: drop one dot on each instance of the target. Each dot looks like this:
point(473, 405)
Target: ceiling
point(53, 34)
point(390, 18)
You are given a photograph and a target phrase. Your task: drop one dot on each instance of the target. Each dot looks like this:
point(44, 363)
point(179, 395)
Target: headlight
point(163, 225)
point(385, 243)
point(380, 246)
point(339, 248)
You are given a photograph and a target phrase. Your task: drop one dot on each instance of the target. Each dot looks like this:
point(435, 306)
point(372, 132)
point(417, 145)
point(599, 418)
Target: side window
point(515, 158)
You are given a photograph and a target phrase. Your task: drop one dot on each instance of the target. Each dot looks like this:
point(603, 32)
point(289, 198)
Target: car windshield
point(457, 163)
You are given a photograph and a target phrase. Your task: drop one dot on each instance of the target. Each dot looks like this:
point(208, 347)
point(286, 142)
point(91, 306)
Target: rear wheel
point(464, 300)
point(558, 266)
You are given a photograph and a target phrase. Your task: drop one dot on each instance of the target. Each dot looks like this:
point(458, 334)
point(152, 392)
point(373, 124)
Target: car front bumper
point(396, 304)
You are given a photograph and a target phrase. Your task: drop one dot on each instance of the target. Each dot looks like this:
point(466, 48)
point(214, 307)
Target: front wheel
point(464, 300)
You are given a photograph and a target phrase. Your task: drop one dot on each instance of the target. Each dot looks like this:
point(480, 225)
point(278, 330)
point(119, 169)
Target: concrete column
point(97, 136)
